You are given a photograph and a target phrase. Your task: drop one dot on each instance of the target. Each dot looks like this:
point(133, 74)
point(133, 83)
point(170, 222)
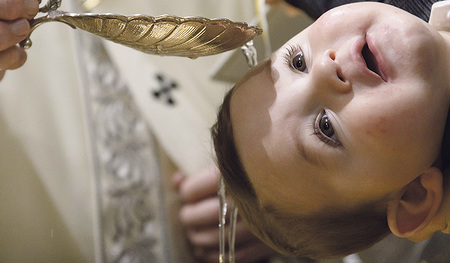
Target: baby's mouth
point(371, 61)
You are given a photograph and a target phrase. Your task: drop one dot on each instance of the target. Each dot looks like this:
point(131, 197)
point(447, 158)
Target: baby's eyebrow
point(274, 74)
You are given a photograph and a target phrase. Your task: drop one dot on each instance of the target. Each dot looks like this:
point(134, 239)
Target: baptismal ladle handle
point(162, 35)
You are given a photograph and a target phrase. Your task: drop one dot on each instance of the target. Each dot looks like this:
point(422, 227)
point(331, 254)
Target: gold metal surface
point(163, 35)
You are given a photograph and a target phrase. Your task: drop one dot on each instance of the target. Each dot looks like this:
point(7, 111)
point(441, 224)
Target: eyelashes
point(289, 52)
point(295, 59)
point(323, 129)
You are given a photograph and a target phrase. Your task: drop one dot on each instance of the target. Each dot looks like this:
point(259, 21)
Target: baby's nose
point(327, 73)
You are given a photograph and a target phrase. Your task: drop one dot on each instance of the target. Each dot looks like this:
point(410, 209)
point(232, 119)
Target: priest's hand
point(14, 27)
point(200, 216)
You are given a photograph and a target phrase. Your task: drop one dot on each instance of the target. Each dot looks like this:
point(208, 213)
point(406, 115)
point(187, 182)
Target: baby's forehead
point(256, 72)
point(256, 85)
point(249, 104)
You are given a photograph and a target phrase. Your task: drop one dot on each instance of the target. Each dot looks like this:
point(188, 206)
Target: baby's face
point(349, 110)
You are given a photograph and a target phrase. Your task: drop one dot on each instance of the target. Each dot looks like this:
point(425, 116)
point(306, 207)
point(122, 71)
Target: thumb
point(177, 180)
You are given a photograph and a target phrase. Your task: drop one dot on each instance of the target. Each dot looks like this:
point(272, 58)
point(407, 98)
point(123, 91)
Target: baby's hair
point(328, 234)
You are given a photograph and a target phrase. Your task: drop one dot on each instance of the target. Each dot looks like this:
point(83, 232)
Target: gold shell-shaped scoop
point(163, 35)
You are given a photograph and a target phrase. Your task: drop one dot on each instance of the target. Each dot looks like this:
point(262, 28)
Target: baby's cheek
point(381, 133)
point(379, 126)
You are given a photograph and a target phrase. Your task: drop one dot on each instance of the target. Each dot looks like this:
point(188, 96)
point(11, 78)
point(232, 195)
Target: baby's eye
point(298, 62)
point(295, 59)
point(325, 126)
point(325, 131)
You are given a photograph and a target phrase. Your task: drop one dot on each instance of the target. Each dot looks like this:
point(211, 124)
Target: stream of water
point(222, 220)
point(250, 55)
point(249, 52)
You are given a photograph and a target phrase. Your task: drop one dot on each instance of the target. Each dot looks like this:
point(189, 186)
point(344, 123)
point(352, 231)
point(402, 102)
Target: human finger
point(177, 179)
point(12, 58)
point(13, 9)
point(202, 213)
point(209, 237)
point(200, 186)
point(12, 32)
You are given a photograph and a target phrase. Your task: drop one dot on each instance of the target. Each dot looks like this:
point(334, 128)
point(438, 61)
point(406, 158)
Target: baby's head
point(318, 142)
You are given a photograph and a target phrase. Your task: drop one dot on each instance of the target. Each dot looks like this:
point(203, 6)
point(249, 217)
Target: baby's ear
point(439, 16)
point(413, 209)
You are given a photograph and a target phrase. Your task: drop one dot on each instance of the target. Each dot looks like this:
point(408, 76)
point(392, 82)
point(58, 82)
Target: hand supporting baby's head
point(333, 127)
